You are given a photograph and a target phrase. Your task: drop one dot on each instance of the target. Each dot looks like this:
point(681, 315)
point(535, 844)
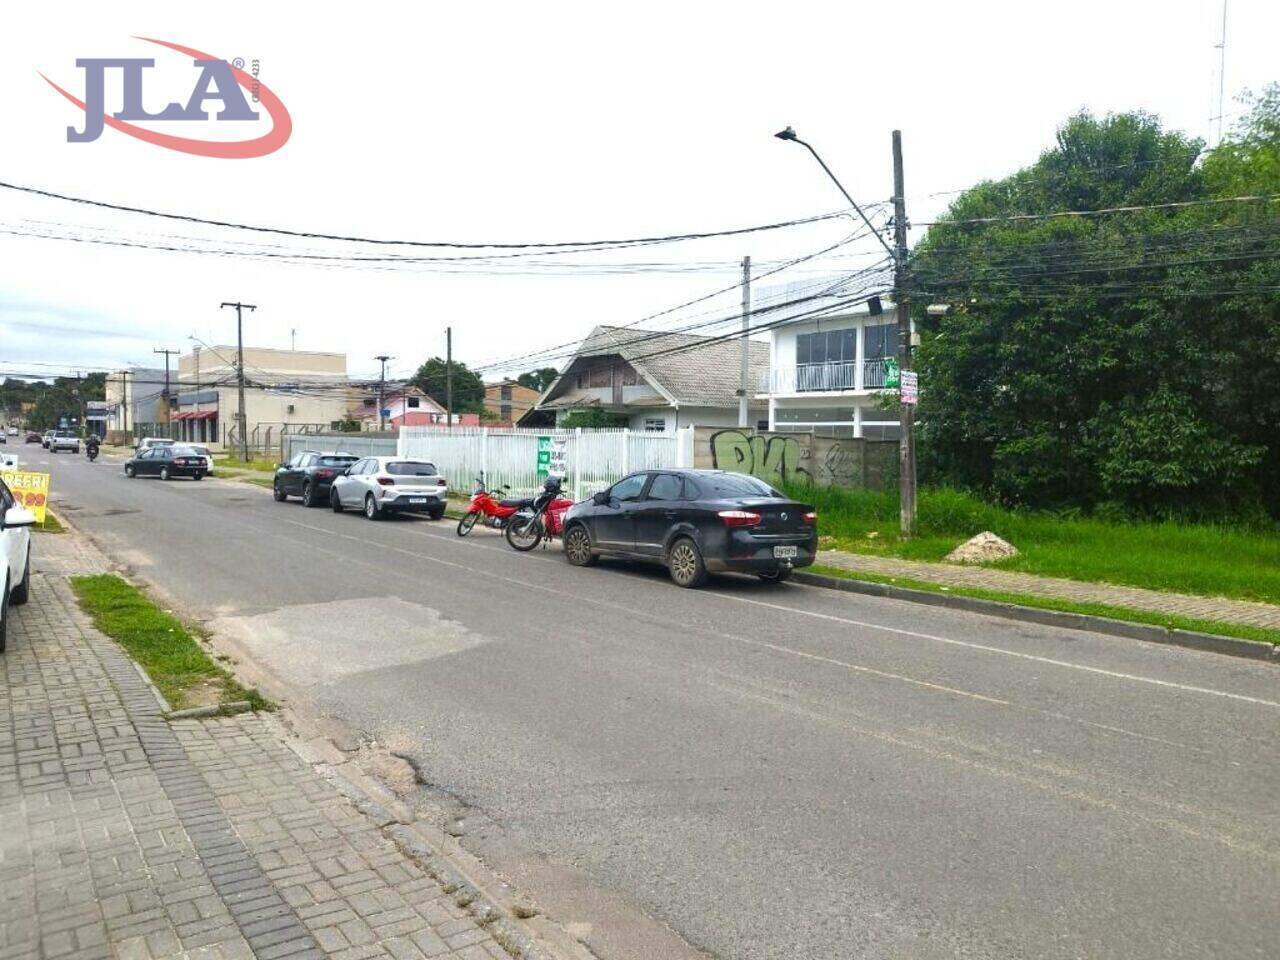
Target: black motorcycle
point(91, 451)
point(526, 529)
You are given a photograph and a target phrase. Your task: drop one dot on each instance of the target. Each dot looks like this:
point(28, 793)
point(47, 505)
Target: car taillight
point(181, 461)
point(386, 481)
point(440, 482)
point(811, 517)
point(324, 473)
point(739, 518)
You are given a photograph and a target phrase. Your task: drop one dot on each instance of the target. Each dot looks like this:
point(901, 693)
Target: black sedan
point(167, 462)
point(695, 522)
point(309, 475)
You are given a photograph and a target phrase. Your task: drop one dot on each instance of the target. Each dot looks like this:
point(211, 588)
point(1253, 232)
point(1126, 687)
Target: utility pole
point(448, 375)
point(165, 395)
point(906, 411)
point(744, 411)
point(382, 386)
point(124, 399)
point(196, 351)
point(240, 418)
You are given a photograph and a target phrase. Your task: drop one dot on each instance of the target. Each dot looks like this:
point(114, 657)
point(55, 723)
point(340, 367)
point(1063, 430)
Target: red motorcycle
point(494, 512)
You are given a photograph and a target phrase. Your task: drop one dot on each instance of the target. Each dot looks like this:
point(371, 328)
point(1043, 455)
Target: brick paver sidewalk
point(1009, 581)
point(125, 835)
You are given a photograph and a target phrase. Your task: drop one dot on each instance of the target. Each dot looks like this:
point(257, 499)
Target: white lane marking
point(986, 648)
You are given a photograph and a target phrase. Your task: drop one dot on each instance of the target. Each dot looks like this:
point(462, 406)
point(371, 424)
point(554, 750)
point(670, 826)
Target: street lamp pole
point(898, 253)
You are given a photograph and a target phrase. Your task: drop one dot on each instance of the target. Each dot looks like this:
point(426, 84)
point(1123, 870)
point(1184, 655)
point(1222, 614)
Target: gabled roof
point(689, 370)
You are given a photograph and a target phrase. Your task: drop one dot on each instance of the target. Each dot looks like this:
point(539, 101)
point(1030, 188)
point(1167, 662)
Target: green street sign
point(892, 375)
point(544, 458)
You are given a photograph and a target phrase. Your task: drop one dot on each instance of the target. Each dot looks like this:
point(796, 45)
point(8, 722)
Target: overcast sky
point(508, 122)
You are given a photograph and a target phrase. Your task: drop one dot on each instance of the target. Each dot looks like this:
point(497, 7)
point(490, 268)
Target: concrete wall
point(774, 457)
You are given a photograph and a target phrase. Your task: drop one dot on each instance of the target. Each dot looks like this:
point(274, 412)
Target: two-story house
point(828, 374)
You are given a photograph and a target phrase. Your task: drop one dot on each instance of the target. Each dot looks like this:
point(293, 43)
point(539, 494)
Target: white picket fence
point(594, 458)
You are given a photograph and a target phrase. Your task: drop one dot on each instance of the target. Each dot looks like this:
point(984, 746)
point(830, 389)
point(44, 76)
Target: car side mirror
point(17, 516)
point(600, 499)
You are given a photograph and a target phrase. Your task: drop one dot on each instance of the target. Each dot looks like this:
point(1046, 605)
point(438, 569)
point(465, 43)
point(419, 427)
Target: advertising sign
point(31, 490)
point(559, 463)
point(544, 458)
point(910, 386)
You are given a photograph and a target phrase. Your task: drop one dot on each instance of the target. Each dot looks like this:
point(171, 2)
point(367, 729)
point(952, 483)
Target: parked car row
point(376, 486)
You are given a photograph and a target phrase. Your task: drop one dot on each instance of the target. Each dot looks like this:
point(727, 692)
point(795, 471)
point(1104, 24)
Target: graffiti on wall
point(771, 457)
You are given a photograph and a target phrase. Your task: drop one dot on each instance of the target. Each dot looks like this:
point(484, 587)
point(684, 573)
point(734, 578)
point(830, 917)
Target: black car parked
point(167, 462)
point(309, 476)
point(695, 522)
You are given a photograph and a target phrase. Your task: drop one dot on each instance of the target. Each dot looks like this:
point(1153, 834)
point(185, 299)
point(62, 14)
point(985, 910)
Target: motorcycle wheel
point(524, 532)
point(467, 522)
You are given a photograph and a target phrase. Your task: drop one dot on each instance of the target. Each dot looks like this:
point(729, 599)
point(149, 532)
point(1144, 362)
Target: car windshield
point(727, 486)
point(337, 461)
point(411, 468)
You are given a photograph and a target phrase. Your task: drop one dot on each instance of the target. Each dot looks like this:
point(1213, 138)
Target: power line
point(1135, 208)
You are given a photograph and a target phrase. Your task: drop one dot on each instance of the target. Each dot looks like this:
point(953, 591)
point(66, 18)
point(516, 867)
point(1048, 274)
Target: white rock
point(983, 548)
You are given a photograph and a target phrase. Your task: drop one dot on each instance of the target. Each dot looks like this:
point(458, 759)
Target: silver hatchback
point(379, 486)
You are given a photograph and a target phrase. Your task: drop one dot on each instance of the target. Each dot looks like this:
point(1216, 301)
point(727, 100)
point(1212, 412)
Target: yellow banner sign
point(30, 490)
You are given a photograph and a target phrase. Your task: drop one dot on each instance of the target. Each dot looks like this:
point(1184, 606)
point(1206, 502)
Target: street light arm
point(853, 203)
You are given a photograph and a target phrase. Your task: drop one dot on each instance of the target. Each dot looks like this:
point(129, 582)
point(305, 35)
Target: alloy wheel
point(685, 564)
point(577, 546)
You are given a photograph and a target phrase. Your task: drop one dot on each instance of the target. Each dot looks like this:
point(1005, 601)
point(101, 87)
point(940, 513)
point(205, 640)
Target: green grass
point(166, 649)
point(259, 481)
point(1240, 631)
point(51, 524)
point(235, 463)
point(1203, 559)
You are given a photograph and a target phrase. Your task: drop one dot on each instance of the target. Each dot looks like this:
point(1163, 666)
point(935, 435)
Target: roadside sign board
point(544, 458)
point(559, 463)
point(891, 372)
point(31, 490)
point(910, 386)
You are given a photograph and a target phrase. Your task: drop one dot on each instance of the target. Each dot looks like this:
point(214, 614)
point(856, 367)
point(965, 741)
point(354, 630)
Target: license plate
point(417, 500)
point(786, 553)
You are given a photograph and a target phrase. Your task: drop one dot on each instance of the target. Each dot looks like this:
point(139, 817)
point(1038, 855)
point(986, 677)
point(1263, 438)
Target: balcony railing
point(826, 377)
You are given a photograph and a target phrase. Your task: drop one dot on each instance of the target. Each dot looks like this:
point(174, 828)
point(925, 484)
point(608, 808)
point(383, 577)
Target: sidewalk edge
point(1151, 633)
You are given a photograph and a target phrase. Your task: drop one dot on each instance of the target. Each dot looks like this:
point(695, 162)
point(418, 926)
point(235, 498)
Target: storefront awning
point(195, 415)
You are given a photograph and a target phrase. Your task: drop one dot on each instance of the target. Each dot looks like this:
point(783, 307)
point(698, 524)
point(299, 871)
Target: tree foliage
point(1121, 358)
point(51, 399)
point(468, 388)
point(538, 379)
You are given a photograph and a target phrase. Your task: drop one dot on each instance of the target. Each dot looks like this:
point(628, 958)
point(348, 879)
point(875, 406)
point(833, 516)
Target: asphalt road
point(773, 771)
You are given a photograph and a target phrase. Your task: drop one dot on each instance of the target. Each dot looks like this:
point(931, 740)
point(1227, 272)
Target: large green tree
point(538, 379)
point(1115, 358)
point(468, 388)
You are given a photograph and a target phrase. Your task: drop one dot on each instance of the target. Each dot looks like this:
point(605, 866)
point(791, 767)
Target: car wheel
point(577, 546)
point(371, 507)
point(437, 514)
point(22, 592)
point(4, 615)
point(684, 563)
point(164, 473)
point(308, 495)
point(277, 491)
point(781, 575)
point(335, 501)
point(128, 471)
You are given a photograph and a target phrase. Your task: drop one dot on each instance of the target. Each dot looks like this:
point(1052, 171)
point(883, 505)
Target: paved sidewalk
point(124, 835)
point(1009, 581)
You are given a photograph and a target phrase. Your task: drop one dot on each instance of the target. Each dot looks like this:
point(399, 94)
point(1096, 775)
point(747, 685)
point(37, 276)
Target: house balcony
point(827, 377)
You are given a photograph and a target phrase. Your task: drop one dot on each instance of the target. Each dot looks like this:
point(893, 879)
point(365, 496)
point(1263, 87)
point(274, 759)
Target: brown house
point(508, 401)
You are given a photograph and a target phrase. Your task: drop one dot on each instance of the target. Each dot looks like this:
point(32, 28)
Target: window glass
point(665, 486)
point(881, 341)
point(337, 461)
point(629, 488)
point(600, 377)
point(411, 468)
point(734, 485)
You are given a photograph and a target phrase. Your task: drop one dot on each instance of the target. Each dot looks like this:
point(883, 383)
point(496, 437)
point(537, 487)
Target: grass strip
point(235, 463)
point(257, 481)
point(1221, 628)
point(51, 524)
point(161, 643)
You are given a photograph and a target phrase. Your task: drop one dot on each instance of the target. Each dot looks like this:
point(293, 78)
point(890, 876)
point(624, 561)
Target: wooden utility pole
point(906, 411)
point(448, 375)
point(240, 417)
point(382, 386)
point(168, 418)
point(744, 405)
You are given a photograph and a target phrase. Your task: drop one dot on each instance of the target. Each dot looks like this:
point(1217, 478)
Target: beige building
point(286, 391)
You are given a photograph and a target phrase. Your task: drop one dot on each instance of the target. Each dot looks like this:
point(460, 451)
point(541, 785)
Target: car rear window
point(337, 461)
point(186, 452)
point(729, 485)
point(411, 468)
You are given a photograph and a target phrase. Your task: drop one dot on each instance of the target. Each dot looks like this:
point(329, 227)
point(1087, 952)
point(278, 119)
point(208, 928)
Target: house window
point(600, 377)
point(880, 341)
point(504, 411)
point(827, 346)
point(629, 376)
point(655, 424)
point(413, 401)
point(762, 426)
point(504, 393)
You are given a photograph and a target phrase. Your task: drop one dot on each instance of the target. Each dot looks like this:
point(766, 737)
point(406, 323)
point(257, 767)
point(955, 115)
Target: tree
point(1108, 358)
point(538, 379)
point(592, 417)
point(468, 388)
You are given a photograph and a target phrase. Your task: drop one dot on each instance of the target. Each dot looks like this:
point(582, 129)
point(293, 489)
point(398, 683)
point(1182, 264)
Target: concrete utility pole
point(906, 411)
point(165, 394)
point(240, 418)
point(382, 386)
point(124, 399)
point(448, 375)
point(744, 406)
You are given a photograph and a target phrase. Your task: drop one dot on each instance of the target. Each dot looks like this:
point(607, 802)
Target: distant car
point(146, 442)
point(4, 436)
point(45, 438)
point(15, 552)
point(13, 431)
point(166, 461)
point(384, 485)
point(204, 451)
point(64, 440)
point(33, 436)
point(694, 522)
point(308, 475)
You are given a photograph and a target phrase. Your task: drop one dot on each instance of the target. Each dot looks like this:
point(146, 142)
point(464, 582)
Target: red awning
point(195, 415)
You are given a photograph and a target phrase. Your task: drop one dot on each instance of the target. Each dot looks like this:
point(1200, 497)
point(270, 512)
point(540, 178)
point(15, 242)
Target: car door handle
point(670, 514)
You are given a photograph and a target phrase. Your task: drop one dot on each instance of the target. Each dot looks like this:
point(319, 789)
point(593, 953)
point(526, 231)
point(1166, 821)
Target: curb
point(1151, 633)
point(212, 710)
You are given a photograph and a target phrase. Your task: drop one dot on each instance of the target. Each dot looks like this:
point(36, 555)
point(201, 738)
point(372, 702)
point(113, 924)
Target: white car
point(64, 440)
point(384, 485)
point(146, 442)
point(15, 544)
point(44, 440)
